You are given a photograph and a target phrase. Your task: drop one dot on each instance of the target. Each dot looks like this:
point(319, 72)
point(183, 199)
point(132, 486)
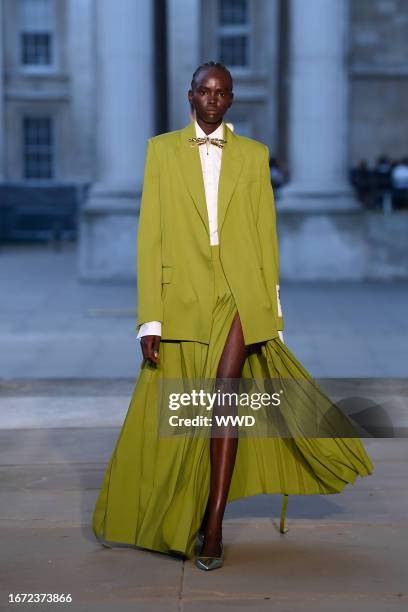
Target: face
point(211, 96)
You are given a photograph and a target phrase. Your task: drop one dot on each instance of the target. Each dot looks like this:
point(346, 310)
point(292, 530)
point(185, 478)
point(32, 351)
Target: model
point(209, 309)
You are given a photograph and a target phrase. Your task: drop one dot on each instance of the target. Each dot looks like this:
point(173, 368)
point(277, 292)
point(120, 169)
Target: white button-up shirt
point(211, 165)
point(210, 156)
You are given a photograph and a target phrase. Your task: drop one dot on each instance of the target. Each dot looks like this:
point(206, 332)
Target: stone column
point(184, 27)
point(80, 51)
point(318, 113)
point(2, 118)
point(124, 121)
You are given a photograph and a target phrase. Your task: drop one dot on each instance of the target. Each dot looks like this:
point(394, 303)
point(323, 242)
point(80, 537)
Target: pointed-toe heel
point(210, 563)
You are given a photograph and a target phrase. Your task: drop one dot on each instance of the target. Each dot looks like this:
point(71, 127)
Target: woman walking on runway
point(209, 309)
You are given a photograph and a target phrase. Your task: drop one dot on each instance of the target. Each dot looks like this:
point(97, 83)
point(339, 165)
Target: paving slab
point(52, 324)
point(48, 493)
point(335, 565)
point(343, 551)
point(323, 560)
point(61, 560)
point(101, 402)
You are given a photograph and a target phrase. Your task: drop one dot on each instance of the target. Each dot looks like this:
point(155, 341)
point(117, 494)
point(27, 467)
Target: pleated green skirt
point(155, 489)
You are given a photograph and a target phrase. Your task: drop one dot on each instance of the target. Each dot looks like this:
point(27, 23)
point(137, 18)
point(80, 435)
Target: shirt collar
point(218, 133)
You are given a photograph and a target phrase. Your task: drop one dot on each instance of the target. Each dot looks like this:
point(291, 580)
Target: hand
point(150, 345)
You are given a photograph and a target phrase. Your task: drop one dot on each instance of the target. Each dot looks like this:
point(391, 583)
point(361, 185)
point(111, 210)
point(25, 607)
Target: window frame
point(27, 114)
point(238, 29)
point(37, 69)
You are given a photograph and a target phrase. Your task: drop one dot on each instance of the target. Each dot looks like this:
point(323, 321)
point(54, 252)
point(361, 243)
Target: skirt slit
point(155, 488)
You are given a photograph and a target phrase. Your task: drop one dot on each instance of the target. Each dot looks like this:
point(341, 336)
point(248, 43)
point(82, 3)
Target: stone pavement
point(52, 325)
point(68, 362)
point(345, 551)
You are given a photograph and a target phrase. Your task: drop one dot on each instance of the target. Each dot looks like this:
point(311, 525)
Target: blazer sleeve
point(149, 256)
point(269, 238)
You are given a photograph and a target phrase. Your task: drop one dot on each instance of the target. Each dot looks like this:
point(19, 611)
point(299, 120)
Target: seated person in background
point(399, 178)
point(277, 174)
point(361, 179)
point(399, 175)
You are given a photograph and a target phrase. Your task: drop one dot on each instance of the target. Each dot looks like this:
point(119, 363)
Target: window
point(38, 148)
point(36, 26)
point(233, 32)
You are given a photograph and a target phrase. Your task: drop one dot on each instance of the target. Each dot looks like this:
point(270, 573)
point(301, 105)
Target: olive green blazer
point(174, 265)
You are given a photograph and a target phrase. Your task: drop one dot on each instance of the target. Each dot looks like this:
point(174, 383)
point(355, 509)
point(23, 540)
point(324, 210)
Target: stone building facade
point(84, 83)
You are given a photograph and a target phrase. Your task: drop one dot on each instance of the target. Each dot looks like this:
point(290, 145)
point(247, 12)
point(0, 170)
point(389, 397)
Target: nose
point(212, 100)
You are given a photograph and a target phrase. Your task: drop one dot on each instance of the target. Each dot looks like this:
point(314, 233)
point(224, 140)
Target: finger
point(156, 347)
point(150, 349)
point(143, 346)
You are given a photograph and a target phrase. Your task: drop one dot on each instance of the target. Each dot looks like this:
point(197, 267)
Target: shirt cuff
point(152, 328)
point(279, 302)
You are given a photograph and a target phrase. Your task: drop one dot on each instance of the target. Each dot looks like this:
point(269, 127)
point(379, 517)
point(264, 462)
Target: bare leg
point(223, 449)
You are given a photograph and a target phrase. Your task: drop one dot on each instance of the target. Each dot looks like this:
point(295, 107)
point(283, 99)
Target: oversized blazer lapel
point(190, 162)
point(231, 164)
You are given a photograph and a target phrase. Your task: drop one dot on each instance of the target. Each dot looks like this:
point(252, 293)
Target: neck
point(208, 127)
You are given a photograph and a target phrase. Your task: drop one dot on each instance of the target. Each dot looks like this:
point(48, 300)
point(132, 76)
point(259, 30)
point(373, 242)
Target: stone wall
point(344, 245)
point(379, 78)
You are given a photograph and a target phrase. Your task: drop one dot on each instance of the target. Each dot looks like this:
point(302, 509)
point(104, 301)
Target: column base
point(297, 198)
point(108, 234)
point(342, 245)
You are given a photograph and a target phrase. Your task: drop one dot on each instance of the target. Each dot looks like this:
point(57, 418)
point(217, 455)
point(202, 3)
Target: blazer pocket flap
point(167, 273)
